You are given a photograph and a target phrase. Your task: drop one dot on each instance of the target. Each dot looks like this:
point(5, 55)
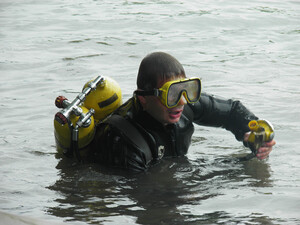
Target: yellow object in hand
point(261, 131)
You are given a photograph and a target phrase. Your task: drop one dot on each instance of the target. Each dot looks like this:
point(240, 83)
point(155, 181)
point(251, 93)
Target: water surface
point(245, 50)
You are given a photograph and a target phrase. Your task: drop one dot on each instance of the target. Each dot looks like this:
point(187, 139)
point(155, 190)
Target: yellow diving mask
point(171, 92)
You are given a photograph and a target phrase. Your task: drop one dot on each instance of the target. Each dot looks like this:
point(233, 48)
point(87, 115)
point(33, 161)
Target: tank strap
point(132, 133)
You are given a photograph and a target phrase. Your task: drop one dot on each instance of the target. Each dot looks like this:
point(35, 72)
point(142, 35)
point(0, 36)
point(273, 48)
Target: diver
point(158, 120)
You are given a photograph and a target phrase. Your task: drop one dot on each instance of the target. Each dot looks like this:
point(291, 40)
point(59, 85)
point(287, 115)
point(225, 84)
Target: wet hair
point(157, 67)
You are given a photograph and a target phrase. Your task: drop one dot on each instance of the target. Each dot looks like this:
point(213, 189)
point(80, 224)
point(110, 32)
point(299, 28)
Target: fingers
point(264, 151)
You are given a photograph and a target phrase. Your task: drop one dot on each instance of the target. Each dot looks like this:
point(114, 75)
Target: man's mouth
point(175, 113)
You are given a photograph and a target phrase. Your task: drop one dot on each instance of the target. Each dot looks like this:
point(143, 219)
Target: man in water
point(158, 121)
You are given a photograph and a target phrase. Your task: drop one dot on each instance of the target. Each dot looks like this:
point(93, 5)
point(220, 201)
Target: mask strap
point(154, 92)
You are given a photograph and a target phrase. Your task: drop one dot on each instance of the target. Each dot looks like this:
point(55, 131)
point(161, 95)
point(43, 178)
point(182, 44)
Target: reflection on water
point(92, 193)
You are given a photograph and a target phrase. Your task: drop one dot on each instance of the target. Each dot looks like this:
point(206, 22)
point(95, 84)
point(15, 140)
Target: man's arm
point(227, 113)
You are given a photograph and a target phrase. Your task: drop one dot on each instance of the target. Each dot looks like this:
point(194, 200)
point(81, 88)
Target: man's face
point(160, 112)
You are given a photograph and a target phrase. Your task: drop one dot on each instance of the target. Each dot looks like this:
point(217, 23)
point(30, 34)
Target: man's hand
point(264, 151)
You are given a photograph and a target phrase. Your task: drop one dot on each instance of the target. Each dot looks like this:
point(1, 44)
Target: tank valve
point(85, 120)
point(61, 102)
point(74, 107)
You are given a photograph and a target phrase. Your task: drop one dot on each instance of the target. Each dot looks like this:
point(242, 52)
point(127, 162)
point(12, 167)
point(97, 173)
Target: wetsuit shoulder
point(119, 143)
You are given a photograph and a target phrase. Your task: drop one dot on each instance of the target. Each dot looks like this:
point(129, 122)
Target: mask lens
point(190, 87)
point(193, 90)
point(174, 95)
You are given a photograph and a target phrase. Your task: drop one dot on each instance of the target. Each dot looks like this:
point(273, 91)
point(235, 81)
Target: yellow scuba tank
point(74, 124)
point(63, 133)
point(261, 131)
point(105, 99)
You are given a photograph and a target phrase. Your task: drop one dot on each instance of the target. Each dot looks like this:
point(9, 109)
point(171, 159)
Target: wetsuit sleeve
point(111, 148)
point(227, 113)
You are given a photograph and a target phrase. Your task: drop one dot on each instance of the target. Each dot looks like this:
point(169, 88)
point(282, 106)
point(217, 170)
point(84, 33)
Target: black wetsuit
point(113, 147)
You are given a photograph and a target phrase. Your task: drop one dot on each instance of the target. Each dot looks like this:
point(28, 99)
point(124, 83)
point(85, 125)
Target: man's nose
point(182, 100)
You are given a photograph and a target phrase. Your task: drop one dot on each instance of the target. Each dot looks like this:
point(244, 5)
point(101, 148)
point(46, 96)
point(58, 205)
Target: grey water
point(247, 50)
